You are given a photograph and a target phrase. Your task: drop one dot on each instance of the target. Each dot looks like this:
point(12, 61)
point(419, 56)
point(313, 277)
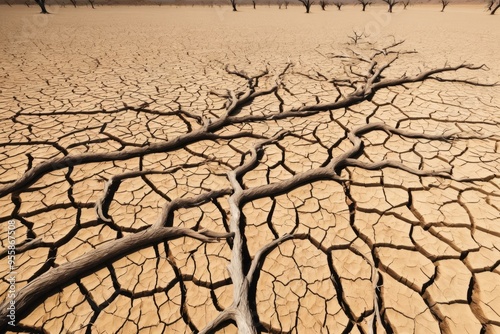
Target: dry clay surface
point(194, 169)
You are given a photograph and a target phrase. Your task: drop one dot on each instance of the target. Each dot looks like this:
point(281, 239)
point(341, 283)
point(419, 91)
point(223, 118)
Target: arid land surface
point(195, 169)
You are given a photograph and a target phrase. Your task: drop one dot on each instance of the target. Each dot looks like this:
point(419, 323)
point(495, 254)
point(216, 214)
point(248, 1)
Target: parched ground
point(194, 169)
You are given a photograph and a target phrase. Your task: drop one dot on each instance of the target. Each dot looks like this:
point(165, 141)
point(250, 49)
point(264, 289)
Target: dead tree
point(323, 4)
point(73, 2)
point(220, 213)
point(233, 4)
point(392, 3)
point(307, 4)
point(41, 3)
point(364, 3)
point(494, 7)
point(356, 37)
point(254, 3)
point(406, 3)
point(444, 3)
point(92, 2)
point(338, 5)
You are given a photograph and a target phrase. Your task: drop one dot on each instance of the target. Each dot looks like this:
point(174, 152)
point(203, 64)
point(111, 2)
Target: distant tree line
point(492, 5)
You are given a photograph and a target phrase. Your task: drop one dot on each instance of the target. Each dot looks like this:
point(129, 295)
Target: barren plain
point(194, 169)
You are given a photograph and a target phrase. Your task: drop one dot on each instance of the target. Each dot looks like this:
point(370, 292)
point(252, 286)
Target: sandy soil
point(401, 234)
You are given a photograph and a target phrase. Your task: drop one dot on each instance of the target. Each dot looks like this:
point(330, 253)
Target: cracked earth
point(190, 170)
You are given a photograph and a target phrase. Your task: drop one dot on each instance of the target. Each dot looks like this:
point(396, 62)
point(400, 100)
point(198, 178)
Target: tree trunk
point(364, 6)
point(253, 4)
point(41, 3)
point(390, 8)
point(244, 316)
point(92, 4)
point(234, 6)
point(495, 9)
point(57, 278)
